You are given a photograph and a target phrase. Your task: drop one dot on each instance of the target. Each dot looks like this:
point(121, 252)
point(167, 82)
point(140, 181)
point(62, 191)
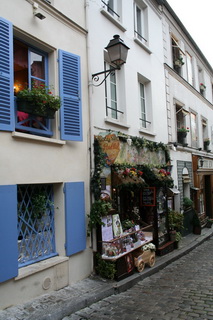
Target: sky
point(197, 18)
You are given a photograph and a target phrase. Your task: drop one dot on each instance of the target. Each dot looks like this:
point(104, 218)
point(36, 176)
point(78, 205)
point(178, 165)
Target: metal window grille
point(36, 233)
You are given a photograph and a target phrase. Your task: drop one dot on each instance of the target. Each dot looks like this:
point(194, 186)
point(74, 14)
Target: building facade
point(44, 171)
point(189, 98)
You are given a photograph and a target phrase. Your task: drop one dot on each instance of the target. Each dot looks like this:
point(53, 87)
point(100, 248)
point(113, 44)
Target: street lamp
point(117, 51)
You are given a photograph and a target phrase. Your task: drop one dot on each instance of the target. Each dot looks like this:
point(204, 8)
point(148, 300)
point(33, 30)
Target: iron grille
point(36, 234)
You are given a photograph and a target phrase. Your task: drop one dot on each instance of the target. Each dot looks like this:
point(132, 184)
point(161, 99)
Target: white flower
point(149, 246)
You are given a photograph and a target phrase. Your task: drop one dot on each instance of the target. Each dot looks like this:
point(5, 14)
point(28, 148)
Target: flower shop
point(130, 209)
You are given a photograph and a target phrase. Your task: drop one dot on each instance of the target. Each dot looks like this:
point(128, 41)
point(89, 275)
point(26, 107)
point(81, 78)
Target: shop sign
point(207, 164)
point(149, 196)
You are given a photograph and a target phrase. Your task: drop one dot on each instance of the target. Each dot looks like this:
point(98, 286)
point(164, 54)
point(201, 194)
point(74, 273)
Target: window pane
point(138, 17)
point(20, 66)
point(143, 105)
point(37, 62)
point(113, 95)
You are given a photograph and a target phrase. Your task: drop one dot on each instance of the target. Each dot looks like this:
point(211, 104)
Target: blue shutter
point(6, 76)
point(75, 218)
point(8, 233)
point(70, 93)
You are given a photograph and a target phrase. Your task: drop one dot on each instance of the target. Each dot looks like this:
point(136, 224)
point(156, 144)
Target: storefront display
point(137, 193)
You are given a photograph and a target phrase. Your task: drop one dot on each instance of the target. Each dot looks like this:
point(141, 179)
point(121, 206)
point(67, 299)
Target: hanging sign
point(148, 197)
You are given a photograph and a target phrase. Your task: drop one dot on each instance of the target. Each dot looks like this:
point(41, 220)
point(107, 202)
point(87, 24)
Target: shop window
point(141, 22)
point(177, 56)
point(36, 233)
point(30, 70)
point(194, 131)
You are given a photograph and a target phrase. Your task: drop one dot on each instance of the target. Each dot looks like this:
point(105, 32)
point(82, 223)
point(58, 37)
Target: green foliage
point(105, 269)
point(39, 205)
point(175, 220)
point(99, 164)
point(99, 209)
point(127, 224)
point(41, 97)
point(187, 203)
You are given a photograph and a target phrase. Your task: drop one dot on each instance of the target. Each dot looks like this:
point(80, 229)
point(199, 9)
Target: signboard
point(148, 197)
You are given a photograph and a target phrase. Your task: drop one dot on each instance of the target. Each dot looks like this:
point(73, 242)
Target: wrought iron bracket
point(95, 76)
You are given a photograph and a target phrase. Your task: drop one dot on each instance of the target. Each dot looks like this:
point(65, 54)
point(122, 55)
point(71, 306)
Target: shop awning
point(173, 191)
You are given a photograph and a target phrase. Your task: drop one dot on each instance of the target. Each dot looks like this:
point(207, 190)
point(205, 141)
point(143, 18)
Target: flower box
point(35, 110)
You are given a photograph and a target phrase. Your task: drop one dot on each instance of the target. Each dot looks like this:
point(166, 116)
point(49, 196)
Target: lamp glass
point(117, 51)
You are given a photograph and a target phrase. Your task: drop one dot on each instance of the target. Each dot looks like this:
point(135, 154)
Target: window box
point(35, 110)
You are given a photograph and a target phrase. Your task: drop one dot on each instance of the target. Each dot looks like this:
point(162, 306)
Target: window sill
point(26, 136)
point(39, 266)
point(113, 20)
point(144, 131)
point(142, 45)
point(117, 123)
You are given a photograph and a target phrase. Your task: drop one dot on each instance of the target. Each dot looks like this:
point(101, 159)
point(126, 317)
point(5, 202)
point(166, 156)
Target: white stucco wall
point(29, 159)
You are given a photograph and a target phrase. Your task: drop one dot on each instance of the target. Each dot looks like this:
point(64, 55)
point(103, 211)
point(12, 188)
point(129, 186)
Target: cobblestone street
point(182, 290)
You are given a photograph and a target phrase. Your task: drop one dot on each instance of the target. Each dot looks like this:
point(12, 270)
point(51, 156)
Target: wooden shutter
point(70, 93)
point(6, 76)
point(75, 218)
point(8, 233)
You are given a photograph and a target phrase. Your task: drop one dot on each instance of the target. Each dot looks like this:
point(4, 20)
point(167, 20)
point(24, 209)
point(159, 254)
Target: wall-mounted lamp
point(37, 13)
point(117, 51)
point(200, 162)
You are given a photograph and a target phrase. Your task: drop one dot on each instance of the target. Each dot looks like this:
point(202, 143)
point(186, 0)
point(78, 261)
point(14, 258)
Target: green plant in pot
point(175, 220)
point(187, 203)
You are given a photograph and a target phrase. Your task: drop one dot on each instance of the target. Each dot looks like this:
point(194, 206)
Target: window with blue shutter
point(75, 217)
point(8, 233)
point(70, 93)
point(6, 76)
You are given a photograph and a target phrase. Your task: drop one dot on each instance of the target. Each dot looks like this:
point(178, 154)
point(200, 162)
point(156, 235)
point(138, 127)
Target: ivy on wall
point(148, 174)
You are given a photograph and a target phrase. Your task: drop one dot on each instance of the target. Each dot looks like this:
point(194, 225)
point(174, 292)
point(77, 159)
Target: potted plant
point(38, 101)
point(202, 87)
point(179, 62)
point(206, 142)
point(182, 133)
point(175, 220)
point(187, 203)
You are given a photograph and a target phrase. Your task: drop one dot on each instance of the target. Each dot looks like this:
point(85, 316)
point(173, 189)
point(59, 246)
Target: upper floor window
point(182, 130)
point(113, 7)
point(177, 56)
point(30, 70)
point(141, 23)
point(145, 103)
point(115, 94)
point(189, 68)
point(194, 132)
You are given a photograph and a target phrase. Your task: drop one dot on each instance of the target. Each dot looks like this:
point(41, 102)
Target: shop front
point(132, 178)
point(203, 182)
